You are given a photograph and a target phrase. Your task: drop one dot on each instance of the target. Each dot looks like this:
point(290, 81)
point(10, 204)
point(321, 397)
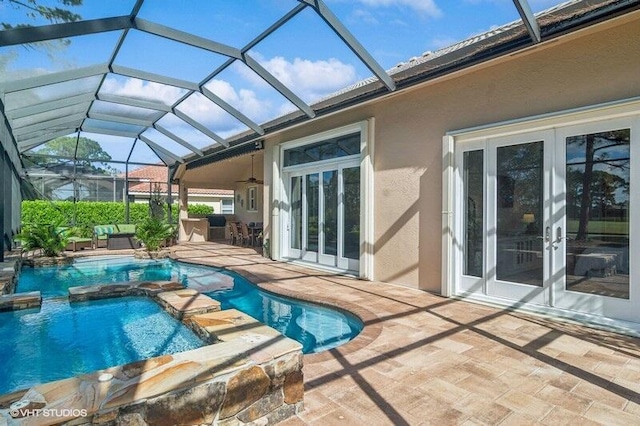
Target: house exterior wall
point(593, 66)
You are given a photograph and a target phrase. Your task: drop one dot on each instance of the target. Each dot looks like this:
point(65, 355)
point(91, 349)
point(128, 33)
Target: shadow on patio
point(422, 358)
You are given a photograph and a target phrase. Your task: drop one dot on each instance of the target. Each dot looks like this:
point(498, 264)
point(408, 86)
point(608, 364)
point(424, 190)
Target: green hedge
point(91, 213)
point(199, 209)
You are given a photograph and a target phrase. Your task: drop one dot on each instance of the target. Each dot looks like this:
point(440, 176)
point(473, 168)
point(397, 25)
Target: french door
point(518, 185)
point(548, 218)
point(323, 220)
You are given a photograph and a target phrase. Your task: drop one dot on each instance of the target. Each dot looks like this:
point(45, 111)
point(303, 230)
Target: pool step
point(186, 303)
point(231, 324)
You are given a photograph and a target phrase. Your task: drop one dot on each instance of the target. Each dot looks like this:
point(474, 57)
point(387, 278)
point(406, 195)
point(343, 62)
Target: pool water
point(63, 340)
point(317, 328)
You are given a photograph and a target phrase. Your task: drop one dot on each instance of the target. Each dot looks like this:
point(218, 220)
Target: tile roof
point(157, 175)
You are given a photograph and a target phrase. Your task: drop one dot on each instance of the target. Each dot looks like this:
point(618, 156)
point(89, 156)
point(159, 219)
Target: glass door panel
point(330, 220)
point(351, 222)
point(473, 227)
point(595, 233)
point(295, 221)
point(312, 212)
point(597, 201)
point(520, 190)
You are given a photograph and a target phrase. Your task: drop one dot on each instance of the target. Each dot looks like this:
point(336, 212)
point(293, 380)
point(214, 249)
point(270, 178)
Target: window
point(227, 206)
point(342, 146)
point(252, 201)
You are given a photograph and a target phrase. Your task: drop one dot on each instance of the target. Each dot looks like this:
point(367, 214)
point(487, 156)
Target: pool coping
point(371, 325)
point(257, 345)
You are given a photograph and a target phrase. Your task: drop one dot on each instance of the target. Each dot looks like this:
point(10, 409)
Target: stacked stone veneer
point(8, 276)
point(252, 374)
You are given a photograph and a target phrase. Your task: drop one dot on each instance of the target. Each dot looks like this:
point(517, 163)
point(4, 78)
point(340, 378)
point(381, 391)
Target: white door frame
point(280, 214)
point(453, 284)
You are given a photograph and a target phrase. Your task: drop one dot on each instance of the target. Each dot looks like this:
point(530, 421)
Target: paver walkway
point(424, 359)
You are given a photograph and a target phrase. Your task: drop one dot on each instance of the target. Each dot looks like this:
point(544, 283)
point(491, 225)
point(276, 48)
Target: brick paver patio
point(424, 359)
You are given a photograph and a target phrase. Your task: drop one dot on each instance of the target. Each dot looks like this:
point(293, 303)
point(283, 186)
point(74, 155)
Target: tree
point(597, 149)
point(87, 151)
point(34, 10)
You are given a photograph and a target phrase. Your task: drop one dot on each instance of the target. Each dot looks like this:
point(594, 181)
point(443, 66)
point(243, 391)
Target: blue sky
point(305, 54)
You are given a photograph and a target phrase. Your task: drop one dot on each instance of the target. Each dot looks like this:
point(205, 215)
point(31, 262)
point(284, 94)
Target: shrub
point(49, 238)
point(199, 209)
point(153, 232)
point(88, 213)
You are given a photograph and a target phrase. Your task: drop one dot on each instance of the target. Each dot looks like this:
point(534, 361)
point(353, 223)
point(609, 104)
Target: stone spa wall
point(249, 373)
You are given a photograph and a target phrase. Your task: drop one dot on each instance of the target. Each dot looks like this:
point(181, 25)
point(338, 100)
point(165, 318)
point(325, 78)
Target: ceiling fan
point(252, 179)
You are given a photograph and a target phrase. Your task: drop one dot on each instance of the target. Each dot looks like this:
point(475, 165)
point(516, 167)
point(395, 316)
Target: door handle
point(559, 236)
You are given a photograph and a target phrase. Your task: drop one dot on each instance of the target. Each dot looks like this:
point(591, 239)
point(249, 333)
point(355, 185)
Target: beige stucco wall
point(600, 65)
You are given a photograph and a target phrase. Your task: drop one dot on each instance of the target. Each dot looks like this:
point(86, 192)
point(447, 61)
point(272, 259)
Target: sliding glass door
point(323, 222)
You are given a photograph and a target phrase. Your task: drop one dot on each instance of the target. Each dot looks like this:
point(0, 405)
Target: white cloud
point(427, 7)
point(245, 100)
point(364, 16)
point(309, 79)
point(142, 90)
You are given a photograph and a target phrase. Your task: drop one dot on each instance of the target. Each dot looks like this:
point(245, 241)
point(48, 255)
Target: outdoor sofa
point(114, 237)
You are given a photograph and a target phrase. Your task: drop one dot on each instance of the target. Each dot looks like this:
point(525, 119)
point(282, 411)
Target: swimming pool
point(316, 327)
point(63, 340)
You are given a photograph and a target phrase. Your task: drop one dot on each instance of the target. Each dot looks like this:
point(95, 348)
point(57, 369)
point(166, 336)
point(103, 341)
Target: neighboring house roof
point(554, 22)
point(157, 177)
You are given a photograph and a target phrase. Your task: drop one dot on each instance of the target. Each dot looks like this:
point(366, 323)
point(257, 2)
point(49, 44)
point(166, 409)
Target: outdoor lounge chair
point(75, 243)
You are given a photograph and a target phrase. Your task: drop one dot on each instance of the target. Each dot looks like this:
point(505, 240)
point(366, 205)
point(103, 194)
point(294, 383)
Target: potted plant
point(153, 232)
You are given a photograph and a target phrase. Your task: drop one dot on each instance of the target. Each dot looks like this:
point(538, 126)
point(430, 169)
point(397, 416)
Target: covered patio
point(426, 359)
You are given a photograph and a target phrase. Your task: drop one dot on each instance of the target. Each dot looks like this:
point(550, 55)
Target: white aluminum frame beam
point(49, 106)
point(153, 77)
point(140, 103)
point(529, 19)
point(186, 38)
point(63, 30)
point(345, 35)
point(39, 140)
point(278, 85)
point(232, 110)
point(43, 125)
point(155, 147)
point(100, 131)
point(53, 78)
point(119, 119)
point(177, 139)
point(201, 127)
point(62, 157)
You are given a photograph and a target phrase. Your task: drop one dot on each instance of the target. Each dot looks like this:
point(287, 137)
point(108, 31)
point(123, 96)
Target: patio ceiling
point(82, 101)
